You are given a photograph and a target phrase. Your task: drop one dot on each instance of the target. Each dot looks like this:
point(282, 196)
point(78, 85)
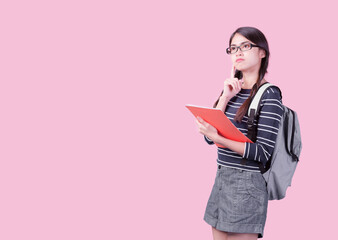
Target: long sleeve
point(209, 141)
point(271, 112)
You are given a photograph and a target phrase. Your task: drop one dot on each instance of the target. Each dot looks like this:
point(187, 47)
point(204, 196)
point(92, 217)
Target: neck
point(250, 78)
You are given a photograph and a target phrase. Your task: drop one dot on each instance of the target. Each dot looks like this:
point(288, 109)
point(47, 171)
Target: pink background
point(96, 142)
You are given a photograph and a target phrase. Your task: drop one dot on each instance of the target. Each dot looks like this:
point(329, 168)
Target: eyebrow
point(239, 43)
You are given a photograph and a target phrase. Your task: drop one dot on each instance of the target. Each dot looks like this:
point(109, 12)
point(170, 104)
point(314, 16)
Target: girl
point(237, 206)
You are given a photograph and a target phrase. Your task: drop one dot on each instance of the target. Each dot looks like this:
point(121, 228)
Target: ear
point(262, 53)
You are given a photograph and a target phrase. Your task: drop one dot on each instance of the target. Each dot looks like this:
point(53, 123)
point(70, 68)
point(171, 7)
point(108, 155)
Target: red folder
point(220, 121)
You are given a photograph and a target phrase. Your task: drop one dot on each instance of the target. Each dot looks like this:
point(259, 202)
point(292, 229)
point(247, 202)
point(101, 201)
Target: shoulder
point(272, 100)
point(273, 92)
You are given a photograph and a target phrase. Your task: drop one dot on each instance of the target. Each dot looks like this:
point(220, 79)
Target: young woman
point(237, 206)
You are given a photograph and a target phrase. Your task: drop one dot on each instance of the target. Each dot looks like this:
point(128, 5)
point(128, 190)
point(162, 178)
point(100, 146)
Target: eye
point(233, 48)
point(246, 45)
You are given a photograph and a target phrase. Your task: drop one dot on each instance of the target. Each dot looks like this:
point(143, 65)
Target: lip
point(239, 60)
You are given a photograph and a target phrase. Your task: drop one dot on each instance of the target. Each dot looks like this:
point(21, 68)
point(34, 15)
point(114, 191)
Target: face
point(252, 58)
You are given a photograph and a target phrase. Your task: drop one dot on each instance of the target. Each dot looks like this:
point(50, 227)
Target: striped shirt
point(267, 124)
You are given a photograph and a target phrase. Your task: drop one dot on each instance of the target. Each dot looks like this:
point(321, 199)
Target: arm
point(235, 146)
point(210, 132)
point(268, 122)
point(222, 103)
point(232, 86)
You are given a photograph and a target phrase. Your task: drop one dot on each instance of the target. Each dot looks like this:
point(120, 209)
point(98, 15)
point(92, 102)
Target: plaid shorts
point(238, 201)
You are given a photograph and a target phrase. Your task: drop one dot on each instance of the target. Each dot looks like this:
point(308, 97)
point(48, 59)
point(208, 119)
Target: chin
point(240, 69)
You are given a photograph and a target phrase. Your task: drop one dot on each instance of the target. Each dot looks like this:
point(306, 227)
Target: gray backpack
point(281, 167)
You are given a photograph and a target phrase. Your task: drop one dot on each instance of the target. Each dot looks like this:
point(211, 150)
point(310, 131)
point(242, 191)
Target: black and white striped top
point(270, 115)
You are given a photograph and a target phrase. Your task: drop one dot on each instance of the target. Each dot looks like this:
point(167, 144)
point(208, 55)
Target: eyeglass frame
point(239, 47)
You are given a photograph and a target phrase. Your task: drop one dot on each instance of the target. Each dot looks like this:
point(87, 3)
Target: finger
point(201, 120)
point(233, 80)
point(239, 86)
point(233, 86)
point(241, 82)
point(227, 82)
point(203, 124)
point(199, 126)
point(198, 123)
point(232, 74)
point(236, 87)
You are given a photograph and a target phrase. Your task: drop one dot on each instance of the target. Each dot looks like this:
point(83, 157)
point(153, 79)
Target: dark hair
point(258, 38)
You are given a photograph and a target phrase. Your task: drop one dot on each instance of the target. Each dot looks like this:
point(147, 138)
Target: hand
point(206, 129)
point(232, 85)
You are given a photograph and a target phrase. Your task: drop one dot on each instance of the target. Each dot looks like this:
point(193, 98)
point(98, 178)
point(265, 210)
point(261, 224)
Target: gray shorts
point(238, 201)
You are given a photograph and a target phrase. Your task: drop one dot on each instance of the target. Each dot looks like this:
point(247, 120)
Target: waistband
point(219, 166)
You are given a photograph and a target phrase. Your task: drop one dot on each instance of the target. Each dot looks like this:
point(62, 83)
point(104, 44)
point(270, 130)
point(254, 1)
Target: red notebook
point(220, 121)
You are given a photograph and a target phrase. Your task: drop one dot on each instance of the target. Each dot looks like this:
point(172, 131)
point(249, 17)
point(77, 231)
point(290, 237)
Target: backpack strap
point(252, 115)
point(253, 110)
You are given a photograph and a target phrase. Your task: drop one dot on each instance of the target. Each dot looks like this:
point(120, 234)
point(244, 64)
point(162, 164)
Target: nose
point(239, 52)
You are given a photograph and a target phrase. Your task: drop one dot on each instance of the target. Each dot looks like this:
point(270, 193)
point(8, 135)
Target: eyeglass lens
point(243, 47)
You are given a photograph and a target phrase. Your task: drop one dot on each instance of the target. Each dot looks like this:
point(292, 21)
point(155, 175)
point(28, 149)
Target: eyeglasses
point(244, 47)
